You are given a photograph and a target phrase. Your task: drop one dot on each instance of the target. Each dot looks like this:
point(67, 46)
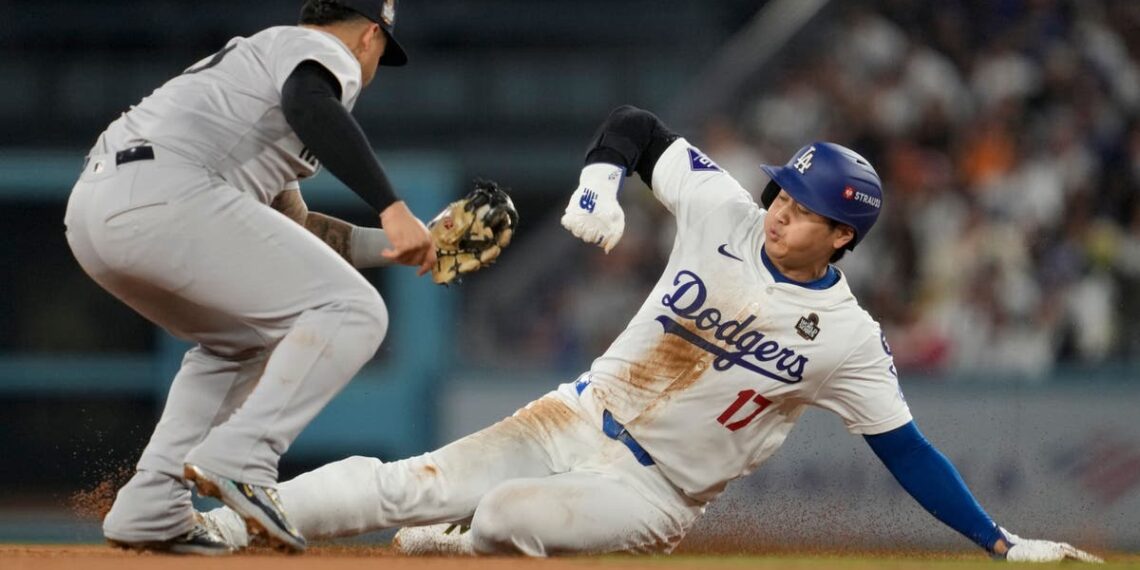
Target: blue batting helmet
point(832, 181)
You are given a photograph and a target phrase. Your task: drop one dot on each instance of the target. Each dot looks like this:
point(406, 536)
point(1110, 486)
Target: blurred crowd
point(1007, 138)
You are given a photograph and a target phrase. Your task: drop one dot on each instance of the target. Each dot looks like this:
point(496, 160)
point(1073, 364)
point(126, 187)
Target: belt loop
point(582, 382)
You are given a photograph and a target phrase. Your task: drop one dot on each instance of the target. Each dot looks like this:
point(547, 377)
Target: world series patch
point(808, 327)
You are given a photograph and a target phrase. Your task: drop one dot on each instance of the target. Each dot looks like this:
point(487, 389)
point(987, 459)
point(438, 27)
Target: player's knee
point(361, 465)
point(378, 313)
point(505, 523)
point(372, 314)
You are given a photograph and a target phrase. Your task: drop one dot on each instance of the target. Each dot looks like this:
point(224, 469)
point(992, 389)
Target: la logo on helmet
point(803, 163)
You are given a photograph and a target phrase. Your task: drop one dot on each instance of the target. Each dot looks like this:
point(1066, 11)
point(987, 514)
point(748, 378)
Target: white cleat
point(435, 540)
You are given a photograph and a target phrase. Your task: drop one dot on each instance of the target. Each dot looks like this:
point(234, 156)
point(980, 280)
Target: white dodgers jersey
point(722, 359)
point(224, 112)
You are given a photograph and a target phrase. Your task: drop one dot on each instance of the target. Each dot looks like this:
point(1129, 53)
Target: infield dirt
point(95, 557)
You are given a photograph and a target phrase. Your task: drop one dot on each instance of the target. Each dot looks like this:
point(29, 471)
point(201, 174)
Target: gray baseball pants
point(281, 323)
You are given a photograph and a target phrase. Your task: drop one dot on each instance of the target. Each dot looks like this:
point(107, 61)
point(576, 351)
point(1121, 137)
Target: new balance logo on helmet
point(803, 163)
point(588, 201)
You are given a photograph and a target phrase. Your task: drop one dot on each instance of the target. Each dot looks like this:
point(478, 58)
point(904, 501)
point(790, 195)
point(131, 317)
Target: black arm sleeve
point(633, 138)
point(310, 100)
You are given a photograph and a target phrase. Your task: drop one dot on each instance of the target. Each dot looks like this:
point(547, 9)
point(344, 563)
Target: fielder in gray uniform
point(179, 214)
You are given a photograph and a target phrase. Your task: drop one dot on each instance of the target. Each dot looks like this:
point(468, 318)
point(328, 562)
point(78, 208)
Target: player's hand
point(594, 214)
point(1029, 550)
point(411, 242)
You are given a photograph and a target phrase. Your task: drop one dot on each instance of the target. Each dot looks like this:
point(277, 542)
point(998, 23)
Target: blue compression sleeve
point(934, 482)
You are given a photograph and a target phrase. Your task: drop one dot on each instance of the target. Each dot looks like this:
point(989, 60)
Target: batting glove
point(1028, 550)
point(594, 214)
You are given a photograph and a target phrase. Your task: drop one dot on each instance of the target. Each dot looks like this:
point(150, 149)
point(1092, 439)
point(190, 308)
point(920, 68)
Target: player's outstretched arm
point(468, 235)
point(933, 481)
point(630, 140)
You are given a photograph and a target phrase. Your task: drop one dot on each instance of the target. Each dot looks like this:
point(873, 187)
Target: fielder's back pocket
point(138, 186)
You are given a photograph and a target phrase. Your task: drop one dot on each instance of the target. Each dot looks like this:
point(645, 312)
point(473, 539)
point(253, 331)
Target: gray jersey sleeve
point(303, 44)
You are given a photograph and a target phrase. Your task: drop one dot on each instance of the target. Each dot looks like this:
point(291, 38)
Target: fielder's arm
point(311, 103)
point(359, 246)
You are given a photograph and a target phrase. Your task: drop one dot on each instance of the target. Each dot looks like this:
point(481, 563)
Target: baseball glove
point(470, 233)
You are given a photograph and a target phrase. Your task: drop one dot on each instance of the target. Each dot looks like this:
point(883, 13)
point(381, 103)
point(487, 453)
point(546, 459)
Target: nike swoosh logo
point(721, 250)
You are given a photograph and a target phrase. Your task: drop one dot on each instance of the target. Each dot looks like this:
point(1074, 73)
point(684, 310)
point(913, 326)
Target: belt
point(141, 152)
point(614, 430)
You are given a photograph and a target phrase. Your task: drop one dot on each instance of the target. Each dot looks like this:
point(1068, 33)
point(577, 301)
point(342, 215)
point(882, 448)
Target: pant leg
point(361, 494)
point(155, 503)
point(572, 513)
point(606, 502)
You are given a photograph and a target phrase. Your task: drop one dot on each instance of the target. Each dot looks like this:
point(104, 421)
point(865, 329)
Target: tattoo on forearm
point(336, 233)
point(292, 205)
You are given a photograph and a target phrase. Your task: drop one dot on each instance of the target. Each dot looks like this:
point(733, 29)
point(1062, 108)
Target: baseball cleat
point(200, 541)
point(434, 540)
point(257, 505)
point(228, 525)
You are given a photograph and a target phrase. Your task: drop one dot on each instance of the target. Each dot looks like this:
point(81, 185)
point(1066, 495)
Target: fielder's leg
point(155, 504)
point(329, 322)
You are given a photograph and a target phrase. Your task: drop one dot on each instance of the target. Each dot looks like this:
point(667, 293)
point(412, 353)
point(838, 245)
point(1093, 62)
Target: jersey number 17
point(742, 398)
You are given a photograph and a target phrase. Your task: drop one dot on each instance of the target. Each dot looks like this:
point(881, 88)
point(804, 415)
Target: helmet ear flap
point(769, 194)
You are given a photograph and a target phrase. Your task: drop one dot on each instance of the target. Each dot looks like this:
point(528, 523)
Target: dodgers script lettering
point(747, 348)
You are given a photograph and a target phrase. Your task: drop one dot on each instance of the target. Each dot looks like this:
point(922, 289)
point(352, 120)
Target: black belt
point(142, 152)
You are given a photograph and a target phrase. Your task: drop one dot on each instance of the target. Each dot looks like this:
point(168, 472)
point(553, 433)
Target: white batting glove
point(1029, 550)
point(594, 214)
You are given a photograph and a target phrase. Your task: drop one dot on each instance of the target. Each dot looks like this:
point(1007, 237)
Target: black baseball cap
point(383, 12)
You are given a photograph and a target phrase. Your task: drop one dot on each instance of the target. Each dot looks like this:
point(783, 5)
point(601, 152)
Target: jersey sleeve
point(865, 391)
point(310, 45)
point(694, 188)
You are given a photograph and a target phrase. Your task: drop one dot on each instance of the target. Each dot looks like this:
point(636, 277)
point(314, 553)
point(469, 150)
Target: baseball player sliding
point(172, 215)
point(749, 325)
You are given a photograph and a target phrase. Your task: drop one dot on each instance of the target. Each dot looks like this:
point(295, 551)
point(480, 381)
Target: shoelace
point(198, 532)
